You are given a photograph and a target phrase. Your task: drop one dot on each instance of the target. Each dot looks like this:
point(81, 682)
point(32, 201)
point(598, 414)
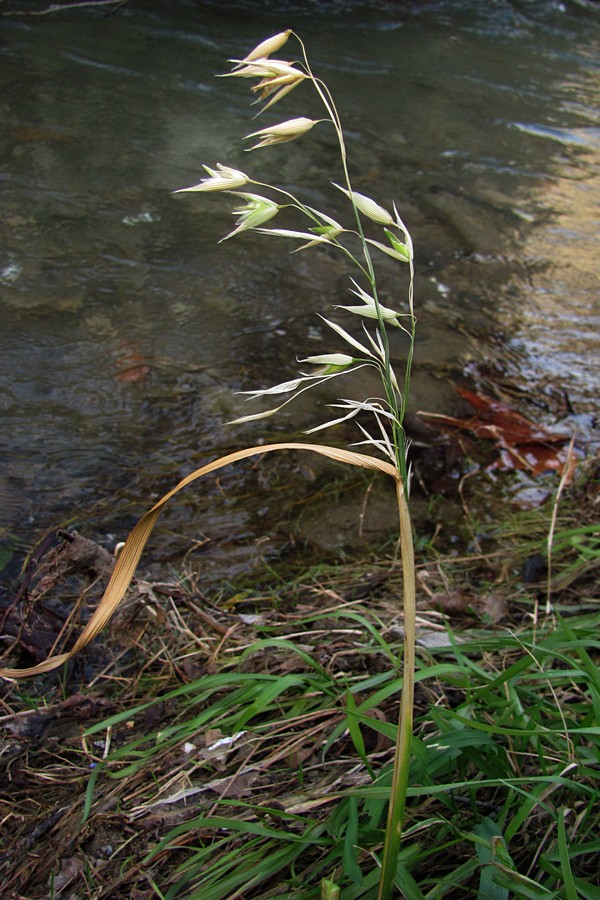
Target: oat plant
point(380, 420)
point(373, 233)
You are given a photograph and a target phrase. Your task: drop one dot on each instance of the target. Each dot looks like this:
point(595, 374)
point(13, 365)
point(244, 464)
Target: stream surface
point(126, 329)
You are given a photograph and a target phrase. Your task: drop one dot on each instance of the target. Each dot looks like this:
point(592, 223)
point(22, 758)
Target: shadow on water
point(126, 329)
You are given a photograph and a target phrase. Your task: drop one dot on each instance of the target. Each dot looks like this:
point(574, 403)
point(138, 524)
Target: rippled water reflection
point(126, 328)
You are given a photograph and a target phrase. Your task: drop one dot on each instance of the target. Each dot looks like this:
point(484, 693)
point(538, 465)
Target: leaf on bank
point(522, 444)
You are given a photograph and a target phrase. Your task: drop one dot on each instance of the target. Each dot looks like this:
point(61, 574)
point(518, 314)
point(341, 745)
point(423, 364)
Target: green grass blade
point(565, 862)
point(489, 889)
point(349, 851)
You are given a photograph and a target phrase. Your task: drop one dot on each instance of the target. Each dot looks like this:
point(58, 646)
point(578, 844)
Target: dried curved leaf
point(135, 543)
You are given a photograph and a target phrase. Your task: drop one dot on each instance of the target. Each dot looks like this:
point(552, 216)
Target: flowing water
point(126, 329)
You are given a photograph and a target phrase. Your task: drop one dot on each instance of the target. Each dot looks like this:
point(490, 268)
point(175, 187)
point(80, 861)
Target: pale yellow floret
point(284, 131)
point(223, 178)
point(368, 207)
point(268, 46)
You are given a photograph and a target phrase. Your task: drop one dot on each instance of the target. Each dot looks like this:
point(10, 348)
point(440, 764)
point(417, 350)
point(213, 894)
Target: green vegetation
point(503, 781)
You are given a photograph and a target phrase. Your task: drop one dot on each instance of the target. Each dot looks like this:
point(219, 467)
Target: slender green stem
point(396, 810)
point(411, 347)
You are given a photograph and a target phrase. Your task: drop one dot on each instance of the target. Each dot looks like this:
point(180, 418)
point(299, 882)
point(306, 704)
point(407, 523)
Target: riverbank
point(235, 741)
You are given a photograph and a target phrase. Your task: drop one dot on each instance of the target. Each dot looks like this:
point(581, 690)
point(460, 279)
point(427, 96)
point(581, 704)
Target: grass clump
point(289, 761)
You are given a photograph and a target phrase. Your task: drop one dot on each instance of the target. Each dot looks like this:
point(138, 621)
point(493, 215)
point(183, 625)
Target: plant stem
point(395, 819)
